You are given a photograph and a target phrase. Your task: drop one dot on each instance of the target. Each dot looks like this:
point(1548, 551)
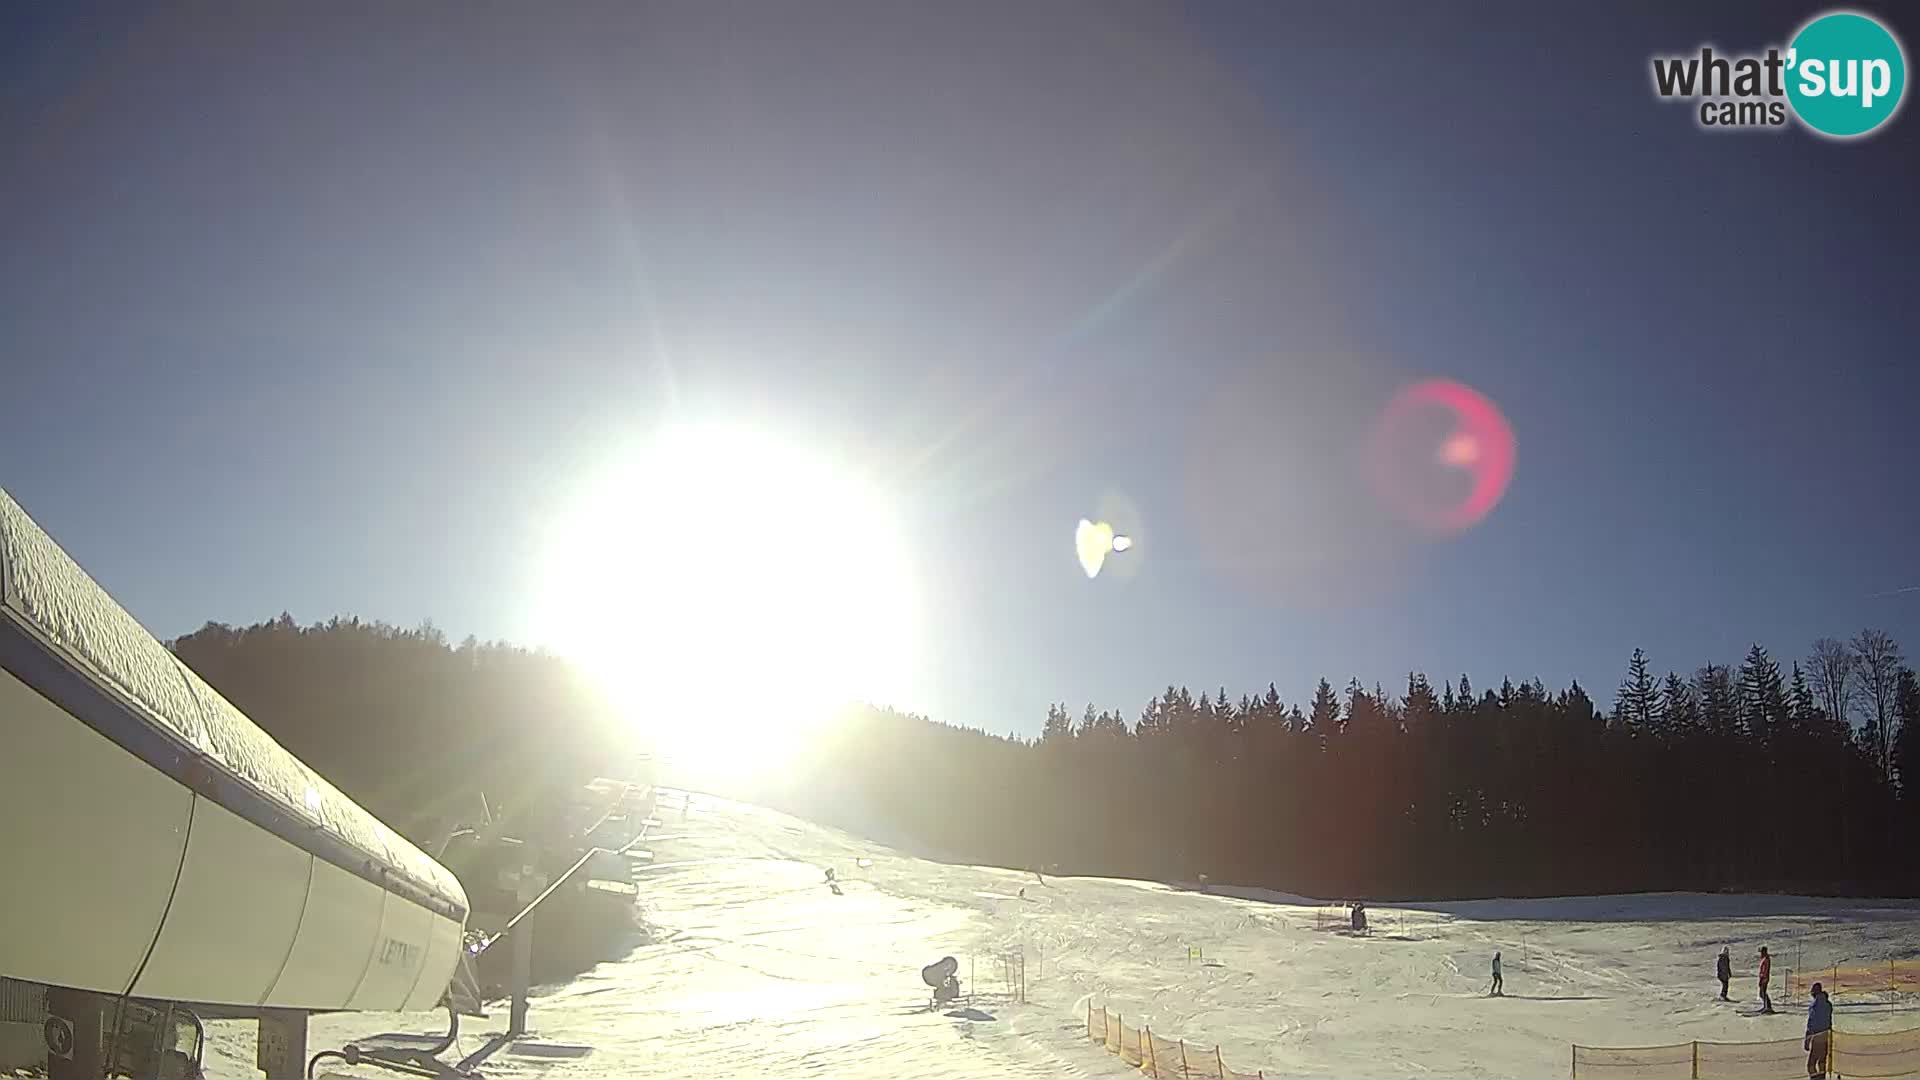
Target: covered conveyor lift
point(173, 857)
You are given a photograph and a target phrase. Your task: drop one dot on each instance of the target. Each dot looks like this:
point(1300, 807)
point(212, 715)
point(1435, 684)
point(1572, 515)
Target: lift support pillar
point(280, 1051)
point(76, 1022)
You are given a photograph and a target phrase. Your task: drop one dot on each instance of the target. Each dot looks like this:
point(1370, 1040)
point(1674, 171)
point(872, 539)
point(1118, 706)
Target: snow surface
point(756, 969)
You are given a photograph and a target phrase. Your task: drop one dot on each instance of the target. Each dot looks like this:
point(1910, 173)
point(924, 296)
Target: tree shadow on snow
point(1669, 907)
point(1653, 907)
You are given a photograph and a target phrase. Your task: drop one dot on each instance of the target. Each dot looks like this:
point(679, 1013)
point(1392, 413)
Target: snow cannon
point(939, 971)
point(944, 976)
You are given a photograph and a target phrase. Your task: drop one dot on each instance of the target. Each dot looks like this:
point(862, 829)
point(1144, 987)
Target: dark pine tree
point(1633, 705)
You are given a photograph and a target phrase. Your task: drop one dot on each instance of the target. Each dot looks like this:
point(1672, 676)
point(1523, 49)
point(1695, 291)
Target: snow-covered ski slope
point(757, 969)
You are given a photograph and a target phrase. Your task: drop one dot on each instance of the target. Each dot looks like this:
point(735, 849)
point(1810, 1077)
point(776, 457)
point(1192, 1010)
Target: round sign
point(58, 1031)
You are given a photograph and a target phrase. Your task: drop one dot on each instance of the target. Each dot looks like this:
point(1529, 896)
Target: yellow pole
point(1146, 1051)
point(1183, 1059)
point(1219, 1065)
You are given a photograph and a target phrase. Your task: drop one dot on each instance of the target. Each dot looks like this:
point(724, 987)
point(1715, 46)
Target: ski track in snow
point(756, 969)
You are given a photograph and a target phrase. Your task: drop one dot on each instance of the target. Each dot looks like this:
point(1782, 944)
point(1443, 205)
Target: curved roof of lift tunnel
point(62, 633)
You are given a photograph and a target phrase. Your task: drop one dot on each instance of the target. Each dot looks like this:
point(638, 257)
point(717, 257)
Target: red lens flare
point(1442, 455)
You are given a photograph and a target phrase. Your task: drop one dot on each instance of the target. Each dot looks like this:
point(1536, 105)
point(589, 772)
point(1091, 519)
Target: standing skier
point(1498, 990)
point(1724, 969)
point(1819, 1032)
point(1766, 972)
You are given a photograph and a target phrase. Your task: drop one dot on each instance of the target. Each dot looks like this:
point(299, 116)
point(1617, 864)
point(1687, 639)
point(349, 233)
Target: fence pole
point(1183, 1059)
point(1696, 1059)
point(1573, 1064)
point(1218, 1062)
point(1146, 1052)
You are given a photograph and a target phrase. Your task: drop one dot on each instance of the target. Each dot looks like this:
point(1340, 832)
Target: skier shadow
point(1367, 935)
point(1556, 997)
point(965, 1012)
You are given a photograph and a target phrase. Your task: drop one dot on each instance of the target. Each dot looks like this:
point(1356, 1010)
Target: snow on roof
point(43, 588)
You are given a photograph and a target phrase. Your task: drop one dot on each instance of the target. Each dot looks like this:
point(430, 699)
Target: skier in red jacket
point(1766, 972)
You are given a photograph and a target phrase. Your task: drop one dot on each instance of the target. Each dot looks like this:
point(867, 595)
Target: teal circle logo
point(1846, 74)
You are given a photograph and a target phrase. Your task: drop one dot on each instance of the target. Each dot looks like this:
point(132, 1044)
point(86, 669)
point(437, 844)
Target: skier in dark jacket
point(1819, 1032)
point(1499, 986)
point(1723, 968)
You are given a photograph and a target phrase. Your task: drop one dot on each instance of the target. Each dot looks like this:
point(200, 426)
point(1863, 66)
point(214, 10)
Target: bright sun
point(732, 593)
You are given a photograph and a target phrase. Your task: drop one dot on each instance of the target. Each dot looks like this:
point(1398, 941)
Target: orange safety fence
point(1893, 976)
point(1777, 1058)
point(1884, 1054)
point(1156, 1056)
point(1633, 1062)
point(1891, 1053)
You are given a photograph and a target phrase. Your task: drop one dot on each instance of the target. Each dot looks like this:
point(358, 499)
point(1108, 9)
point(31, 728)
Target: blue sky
point(326, 312)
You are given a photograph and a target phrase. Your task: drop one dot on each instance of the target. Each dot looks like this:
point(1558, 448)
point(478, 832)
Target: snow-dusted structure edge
point(64, 636)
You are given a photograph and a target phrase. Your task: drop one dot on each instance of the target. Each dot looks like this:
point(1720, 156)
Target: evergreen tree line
point(1744, 776)
point(409, 725)
point(1734, 777)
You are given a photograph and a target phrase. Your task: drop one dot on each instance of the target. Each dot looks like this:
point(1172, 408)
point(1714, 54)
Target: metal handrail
point(488, 942)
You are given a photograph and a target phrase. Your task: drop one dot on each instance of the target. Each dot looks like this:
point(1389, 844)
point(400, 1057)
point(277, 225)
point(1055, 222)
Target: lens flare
point(1092, 541)
point(1443, 455)
point(1460, 451)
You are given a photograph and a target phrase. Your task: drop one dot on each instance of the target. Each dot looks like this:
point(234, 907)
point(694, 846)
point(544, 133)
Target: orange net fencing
point(1157, 1056)
point(1886, 976)
point(1884, 1054)
point(1891, 1053)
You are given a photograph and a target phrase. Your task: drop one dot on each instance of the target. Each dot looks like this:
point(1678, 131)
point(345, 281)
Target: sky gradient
point(328, 312)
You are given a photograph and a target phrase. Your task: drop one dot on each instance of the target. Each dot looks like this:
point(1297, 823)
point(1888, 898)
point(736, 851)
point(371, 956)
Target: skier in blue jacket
point(1819, 1032)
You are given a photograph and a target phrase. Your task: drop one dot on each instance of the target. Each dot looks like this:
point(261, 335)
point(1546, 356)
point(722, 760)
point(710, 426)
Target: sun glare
point(732, 593)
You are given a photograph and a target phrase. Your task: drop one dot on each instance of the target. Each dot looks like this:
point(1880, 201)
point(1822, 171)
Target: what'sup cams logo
point(1842, 76)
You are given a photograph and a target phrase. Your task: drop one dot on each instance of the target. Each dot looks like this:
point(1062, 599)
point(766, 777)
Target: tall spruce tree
point(1324, 715)
point(1763, 698)
point(1633, 705)
point(1719, 701)
point(1679, 707)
